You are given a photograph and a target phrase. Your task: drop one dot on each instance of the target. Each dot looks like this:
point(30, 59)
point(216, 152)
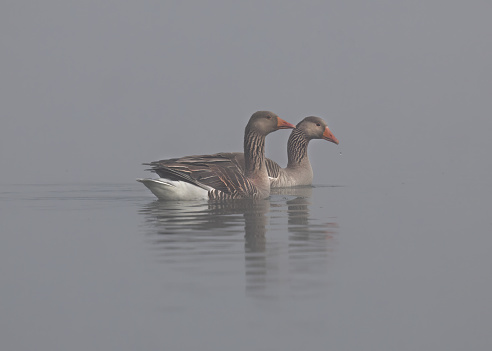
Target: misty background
point(92, 89)
point(395, 256)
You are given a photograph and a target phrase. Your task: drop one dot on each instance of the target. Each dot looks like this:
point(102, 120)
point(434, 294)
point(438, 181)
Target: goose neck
point(254, 152)
point(297, 148)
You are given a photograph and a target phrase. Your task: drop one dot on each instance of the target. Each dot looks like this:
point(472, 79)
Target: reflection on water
point(282, 244)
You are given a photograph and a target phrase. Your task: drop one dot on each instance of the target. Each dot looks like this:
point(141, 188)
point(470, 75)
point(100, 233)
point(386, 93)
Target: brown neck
point(254, 152)
point(297, 148)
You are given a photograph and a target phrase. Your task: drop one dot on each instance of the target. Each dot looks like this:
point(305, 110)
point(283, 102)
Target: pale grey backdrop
point(397, 259)
point(91, 89)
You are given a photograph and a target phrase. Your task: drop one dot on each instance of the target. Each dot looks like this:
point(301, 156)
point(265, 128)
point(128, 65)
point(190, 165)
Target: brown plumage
point(218, 174)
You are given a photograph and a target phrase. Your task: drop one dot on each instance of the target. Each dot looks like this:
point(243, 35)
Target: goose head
point(316, 128)
point(265, 122)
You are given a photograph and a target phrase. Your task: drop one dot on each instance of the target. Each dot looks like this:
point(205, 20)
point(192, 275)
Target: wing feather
point(223, 172)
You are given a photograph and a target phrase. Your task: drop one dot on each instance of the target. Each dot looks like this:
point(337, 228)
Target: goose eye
point(318, 124)
point(269, 117)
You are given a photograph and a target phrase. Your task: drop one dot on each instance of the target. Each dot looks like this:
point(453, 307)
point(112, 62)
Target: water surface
point(395, 266)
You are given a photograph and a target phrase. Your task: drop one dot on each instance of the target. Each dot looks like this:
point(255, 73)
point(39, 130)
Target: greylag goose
point(298, 171)
point(214, 176)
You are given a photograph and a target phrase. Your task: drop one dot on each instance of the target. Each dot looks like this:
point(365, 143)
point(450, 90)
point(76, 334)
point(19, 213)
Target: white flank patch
point(166, 189)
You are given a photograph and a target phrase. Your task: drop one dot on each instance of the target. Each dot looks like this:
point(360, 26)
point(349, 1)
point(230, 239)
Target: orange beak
point(281, 124)
point(328, 135)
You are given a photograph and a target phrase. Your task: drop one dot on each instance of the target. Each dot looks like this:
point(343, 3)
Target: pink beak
point(328, 135)
point(281, 124)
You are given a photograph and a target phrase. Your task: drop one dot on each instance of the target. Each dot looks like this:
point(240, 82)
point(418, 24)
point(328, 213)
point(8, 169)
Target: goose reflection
point(289, 266)
point(305, 231)
point(176, 218)
point(209, 231)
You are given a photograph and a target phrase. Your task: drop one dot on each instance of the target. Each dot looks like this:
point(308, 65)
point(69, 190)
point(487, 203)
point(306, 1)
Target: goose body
point(216, 176)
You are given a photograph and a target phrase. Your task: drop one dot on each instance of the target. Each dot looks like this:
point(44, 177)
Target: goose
point(214, 176)
point(299, 171)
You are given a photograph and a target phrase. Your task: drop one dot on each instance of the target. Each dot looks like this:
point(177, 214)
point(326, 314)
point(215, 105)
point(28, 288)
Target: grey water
point(108, 267)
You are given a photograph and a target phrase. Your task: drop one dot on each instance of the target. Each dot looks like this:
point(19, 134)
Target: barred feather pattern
point(220, 174)
point(272, 167)
point(297, 147)
point(218, 195)
point(254, 152)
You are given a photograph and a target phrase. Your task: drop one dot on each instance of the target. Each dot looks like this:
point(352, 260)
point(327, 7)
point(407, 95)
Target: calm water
point(400, 266)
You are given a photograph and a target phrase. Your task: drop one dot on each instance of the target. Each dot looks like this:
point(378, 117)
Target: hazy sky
point(91, 89)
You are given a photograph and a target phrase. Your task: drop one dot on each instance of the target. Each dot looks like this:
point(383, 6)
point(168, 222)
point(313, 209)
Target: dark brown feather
point(219, 171)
